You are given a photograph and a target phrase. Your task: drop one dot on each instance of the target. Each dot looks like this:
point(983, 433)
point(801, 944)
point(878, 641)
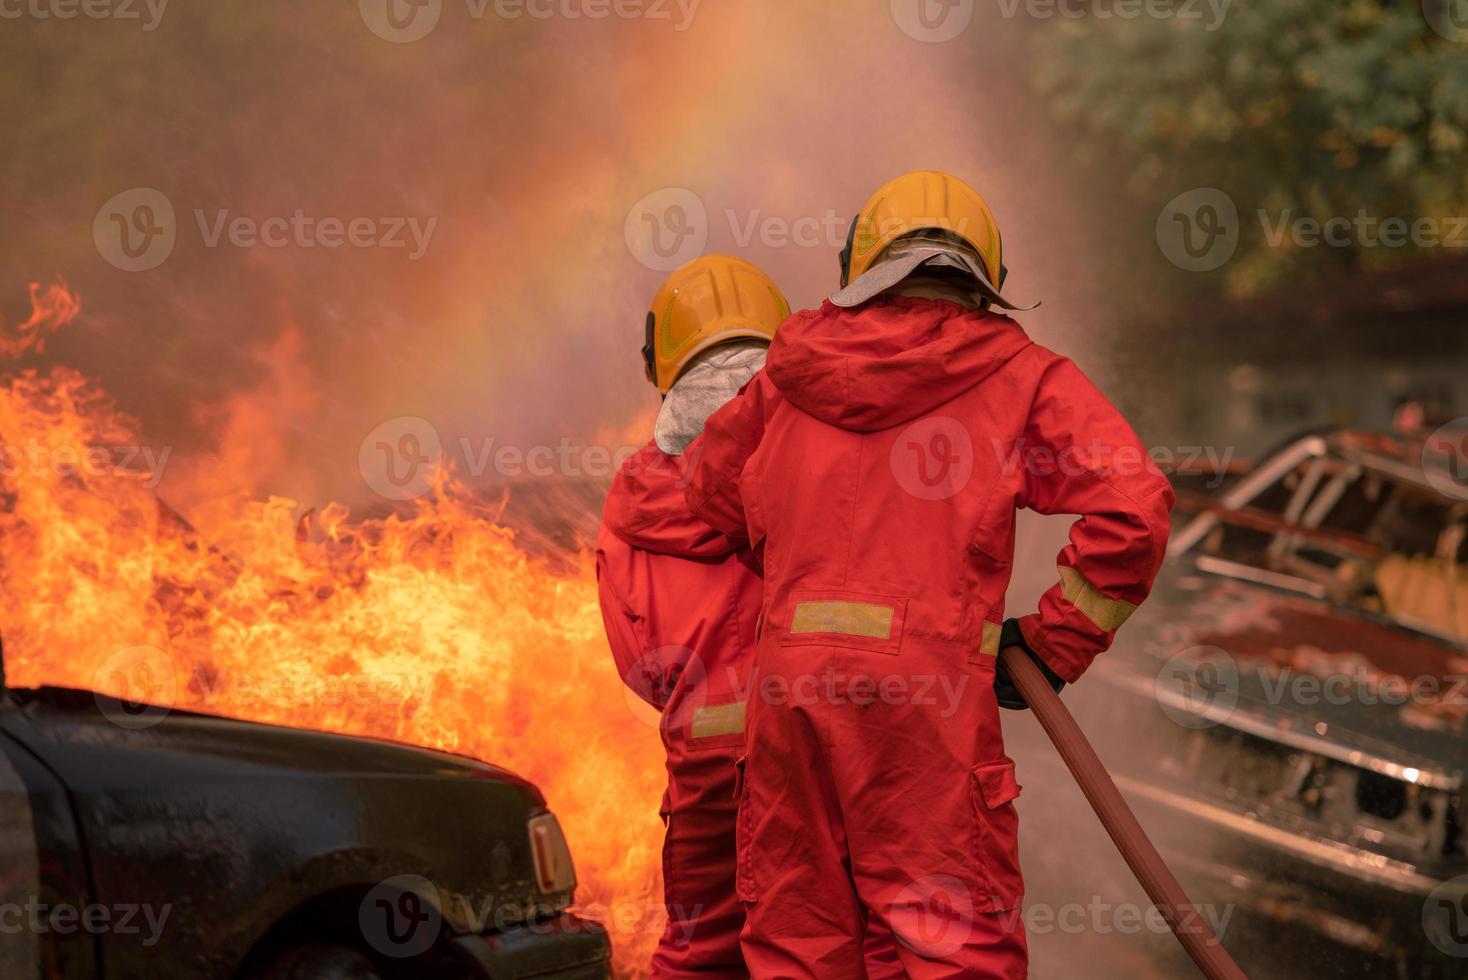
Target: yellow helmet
point(708, 301)
point(933, 208)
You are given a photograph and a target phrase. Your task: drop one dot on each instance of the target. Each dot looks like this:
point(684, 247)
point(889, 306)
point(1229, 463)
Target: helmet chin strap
point(846, 252)
point(649, 349)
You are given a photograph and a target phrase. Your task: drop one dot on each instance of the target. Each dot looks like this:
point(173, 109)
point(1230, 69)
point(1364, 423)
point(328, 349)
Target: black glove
point(1004, 689)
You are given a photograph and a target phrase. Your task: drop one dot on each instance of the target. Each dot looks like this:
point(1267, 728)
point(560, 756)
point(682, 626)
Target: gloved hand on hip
point(1004, 689)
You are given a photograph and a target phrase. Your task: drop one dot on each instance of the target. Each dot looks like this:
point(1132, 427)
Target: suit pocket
point(993, 790)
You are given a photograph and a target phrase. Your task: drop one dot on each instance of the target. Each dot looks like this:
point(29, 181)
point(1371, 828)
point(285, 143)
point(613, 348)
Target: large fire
point(432, 627)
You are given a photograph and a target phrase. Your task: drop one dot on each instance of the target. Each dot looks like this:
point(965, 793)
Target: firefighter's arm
point(1081, 457)
point(717, 458)
point(624, 634)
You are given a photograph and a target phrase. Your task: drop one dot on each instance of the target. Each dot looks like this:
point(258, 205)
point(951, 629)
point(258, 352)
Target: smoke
point(510, 152)
point(520, 145)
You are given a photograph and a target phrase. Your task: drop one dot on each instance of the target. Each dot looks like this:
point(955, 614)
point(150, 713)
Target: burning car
point(431, 623)
point(1303, 670)
point(139, 842)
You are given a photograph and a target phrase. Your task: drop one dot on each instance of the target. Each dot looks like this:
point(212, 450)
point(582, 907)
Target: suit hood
point(889, 361)
point(648, 509)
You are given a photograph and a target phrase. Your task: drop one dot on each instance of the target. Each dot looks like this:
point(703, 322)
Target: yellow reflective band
point(851, 618)
point(990, 642)
point(1107, 614)
point(718, 719)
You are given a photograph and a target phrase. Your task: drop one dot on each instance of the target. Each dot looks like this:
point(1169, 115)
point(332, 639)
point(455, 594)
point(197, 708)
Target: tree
point(1297, 109)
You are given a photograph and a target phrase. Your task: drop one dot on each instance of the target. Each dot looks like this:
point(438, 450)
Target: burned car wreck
point(1301, 674)
point(174, 844)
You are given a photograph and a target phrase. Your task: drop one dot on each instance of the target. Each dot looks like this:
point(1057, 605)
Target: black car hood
point(235, 826)
point(55, 722)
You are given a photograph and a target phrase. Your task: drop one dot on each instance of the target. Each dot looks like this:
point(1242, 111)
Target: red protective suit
point(876, 466)
point(680, 602)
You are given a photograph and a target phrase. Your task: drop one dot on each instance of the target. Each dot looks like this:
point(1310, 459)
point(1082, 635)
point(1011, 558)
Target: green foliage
point(1321, 108)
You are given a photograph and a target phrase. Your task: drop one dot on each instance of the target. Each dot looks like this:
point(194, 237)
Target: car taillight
point(553, 869)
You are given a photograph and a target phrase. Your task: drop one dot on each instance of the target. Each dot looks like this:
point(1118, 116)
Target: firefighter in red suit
point(680, 601)
point(876, 466)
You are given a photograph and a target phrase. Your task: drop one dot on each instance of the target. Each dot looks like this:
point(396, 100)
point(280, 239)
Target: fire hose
point(1182, 916)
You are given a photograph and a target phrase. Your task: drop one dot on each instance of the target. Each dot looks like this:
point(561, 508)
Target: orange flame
point(433, 628)
point(51, 308)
